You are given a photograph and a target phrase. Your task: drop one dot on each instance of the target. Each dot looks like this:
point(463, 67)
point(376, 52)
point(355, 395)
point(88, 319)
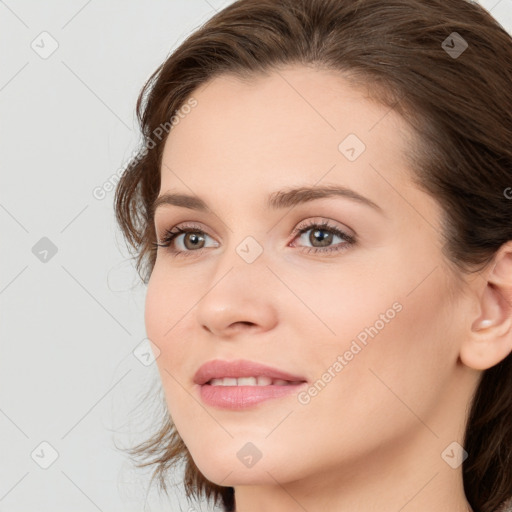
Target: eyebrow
point(276, 200)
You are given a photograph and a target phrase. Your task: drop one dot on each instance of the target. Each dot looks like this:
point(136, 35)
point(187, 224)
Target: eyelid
point(326, 223)
point(308, 222)
point(197, 226)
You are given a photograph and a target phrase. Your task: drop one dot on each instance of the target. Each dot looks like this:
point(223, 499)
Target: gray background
point(71, 319)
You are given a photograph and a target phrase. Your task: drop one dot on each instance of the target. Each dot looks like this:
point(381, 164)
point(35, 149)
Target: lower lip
point(242, 397)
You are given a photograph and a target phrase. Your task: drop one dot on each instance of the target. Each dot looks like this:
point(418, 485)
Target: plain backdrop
point(72, 335)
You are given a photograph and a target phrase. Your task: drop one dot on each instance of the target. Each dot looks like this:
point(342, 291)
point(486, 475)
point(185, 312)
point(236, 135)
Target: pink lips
point(218, 369)
point(240, 397)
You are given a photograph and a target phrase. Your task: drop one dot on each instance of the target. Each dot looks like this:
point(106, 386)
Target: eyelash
point(171, 234)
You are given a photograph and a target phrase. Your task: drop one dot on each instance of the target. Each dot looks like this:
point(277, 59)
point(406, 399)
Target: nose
point(241, 298)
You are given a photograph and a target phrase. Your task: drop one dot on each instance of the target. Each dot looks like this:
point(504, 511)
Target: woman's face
point(372, 325)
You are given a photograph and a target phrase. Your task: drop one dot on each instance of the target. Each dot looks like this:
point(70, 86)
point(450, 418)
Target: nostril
point(242, 323)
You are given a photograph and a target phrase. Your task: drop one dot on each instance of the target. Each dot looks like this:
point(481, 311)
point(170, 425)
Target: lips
point(220, 369)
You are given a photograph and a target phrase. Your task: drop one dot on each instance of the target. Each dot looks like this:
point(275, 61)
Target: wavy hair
point(407, 53)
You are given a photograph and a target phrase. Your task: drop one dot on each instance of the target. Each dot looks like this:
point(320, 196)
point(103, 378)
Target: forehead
point(294, 124)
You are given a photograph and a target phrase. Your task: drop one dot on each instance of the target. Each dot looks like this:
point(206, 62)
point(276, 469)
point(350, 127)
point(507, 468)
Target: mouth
point(261, 380)
point(241, 384)
point(242, 372)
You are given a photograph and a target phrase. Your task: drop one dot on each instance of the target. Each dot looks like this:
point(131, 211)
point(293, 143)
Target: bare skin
point(375, 437)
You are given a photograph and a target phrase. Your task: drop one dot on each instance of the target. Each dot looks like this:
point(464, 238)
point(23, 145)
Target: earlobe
point(489, 340)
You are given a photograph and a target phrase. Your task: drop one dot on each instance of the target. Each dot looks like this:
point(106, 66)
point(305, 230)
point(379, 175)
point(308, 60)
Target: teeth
point(250, 381)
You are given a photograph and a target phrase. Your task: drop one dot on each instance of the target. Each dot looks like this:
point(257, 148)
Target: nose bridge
point(244, 254)
point(242, 269)
point(239, 291)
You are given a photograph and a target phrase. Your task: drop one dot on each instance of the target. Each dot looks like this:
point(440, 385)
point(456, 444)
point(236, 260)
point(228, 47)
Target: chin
point(229, 469)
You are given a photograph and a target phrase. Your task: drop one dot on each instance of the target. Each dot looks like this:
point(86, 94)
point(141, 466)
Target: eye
point(184, 240)
point(321, 237)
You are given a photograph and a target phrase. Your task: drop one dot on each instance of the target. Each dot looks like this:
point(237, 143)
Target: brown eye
point(322, 236)
point(193, 240)
point(185, 241)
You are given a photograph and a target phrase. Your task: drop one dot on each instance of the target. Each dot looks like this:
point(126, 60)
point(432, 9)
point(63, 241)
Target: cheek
point(169, 304)
point(391, 311)
point(166, 305)
point(395, 344)
point(154, 309)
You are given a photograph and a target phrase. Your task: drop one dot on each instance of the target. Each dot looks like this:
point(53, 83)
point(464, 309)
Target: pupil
point(316, 236)
point(194, 238)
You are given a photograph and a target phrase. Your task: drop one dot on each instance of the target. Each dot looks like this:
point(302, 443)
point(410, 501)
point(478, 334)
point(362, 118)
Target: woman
point(322, 213)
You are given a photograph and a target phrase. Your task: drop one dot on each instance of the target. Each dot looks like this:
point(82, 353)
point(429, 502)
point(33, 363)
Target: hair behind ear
point(488, 440)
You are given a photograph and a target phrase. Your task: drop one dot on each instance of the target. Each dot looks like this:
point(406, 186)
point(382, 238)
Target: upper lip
point(218, 369)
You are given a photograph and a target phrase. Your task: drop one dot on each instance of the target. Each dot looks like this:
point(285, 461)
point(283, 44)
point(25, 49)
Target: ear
point(490, 338)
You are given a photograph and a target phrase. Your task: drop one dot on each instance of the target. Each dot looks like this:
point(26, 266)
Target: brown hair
point(460, 108)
